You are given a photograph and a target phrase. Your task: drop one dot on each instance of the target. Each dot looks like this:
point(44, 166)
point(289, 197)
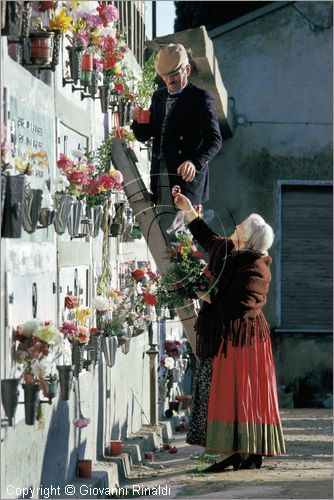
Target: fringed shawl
point(240, 285)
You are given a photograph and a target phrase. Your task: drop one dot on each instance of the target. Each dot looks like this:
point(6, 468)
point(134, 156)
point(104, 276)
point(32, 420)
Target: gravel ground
point(305, 472)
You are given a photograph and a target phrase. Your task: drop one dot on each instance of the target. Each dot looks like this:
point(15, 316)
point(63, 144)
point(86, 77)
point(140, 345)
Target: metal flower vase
point(95, 215)
point(75, 57)
point(78, 357)
point(95, 345)
point(94, 86)
point(104, 91)
point(52, 385)
point(126, 346)
point(10, 397)
point(109, 348)
point(46, 217)
point(73, 223)
point(32, 202)
point(31, 402)
point(65, 380)
point(56, 47)
point(63, 204)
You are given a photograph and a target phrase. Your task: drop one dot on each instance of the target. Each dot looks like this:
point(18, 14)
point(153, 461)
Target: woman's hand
point(203, 296)
point(180, 200)
point(183, 204)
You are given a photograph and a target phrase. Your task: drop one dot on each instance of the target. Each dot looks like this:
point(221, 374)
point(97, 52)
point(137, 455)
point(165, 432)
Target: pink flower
point(69, 329)
point(92, 186)
point(108, 43)
point(107, 181)
point(107, 13)
point(78, 178)
point(81, 422)
point(64, 163)
point(118, 178)
point(82, 38)
point(97, 64)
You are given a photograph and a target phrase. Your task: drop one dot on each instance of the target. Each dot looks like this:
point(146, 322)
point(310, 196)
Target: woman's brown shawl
point(240, 285)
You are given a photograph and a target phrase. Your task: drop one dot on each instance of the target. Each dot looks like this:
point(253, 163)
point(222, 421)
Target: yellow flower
point(82, 315)
point(117, 69)
point(60, 21)
point(49, 334)
point(23, 166)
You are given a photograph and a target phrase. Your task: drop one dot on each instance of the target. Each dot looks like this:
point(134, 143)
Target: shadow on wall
point(304, 370)
point(54, 468)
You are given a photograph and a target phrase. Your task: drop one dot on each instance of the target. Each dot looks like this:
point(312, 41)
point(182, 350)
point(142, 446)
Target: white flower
point(169, 362)
point(101, 303)
point(29, 327)
point(60, 183)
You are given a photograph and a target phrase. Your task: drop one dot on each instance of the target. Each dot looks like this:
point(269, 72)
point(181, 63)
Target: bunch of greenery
point(146, 85)
point(184, 277)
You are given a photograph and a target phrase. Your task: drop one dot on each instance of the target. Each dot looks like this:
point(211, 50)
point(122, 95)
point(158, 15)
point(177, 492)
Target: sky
point(165, 18)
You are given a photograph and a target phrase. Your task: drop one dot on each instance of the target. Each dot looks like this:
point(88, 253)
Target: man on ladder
point(185, 131)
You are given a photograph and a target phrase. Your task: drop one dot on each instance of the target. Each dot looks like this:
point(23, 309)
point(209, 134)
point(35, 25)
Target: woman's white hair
point(259, 236)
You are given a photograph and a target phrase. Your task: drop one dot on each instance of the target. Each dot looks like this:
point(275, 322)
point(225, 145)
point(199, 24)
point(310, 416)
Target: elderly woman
point(237, 414)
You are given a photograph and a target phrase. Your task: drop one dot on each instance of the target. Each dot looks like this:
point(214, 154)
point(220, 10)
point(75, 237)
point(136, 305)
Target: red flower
point(138, 274)
point(119, 87)
point(64, 163)
point(71, 302)
point(107, 181)
point(109, 61)
point(78, 178)
point(44, 6)
point(149, 299)
point(198, 255)
point(130, 97)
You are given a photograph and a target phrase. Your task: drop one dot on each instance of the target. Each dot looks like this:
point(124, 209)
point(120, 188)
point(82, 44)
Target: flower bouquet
point(77, 331)
point(184, 277)
point(39, 344)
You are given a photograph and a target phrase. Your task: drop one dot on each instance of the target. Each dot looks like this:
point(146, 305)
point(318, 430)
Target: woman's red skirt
point(243, 411)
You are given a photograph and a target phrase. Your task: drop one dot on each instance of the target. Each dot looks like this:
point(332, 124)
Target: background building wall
point(113, 398)
point(277, 69)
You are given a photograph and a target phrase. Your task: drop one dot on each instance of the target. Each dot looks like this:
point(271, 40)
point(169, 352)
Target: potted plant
point(145, 88)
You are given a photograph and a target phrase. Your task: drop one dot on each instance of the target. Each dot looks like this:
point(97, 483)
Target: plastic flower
point(107, 13)
point(149, 299)
point(84, 335)
point(71, 302)
point(44, 6)
point(82, 315)
point(81, 422)
point(60, 183)
point(101, 304)
point(69, 329)
point(138, 274)
point(60, 21)
point(169, 362)
point(65, 163)
point(49, 334)
point(29, 327)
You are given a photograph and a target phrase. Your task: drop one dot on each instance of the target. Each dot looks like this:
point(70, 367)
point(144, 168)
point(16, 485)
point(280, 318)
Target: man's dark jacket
point(192, 133)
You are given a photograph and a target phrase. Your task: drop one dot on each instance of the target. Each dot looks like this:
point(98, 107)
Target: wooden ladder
point(125, 159)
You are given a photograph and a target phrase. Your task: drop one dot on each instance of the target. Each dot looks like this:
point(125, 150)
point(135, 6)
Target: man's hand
point(187, 170)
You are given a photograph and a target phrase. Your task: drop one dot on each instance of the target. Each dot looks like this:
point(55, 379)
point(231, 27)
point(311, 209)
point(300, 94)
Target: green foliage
point(184, 277)
point(146, 85)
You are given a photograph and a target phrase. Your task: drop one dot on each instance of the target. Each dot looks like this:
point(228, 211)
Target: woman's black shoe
point(233, 460)
point(252, 462)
